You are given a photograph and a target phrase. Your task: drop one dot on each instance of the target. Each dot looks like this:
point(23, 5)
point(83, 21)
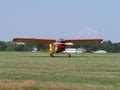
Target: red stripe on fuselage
point(60, 47)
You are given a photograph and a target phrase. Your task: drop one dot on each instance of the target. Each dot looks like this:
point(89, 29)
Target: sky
point(54, 19)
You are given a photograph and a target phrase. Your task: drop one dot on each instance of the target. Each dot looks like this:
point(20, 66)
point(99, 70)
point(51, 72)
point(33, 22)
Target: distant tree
point(2, 46)
point(116, 47)
point(20, 47)
point(94, 47)
point(107, 46)
point(42, 47)
point(10, 46)
point(29, 46)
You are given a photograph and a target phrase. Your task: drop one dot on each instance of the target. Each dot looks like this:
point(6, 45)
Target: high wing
point(34, 40)
point(84, 41)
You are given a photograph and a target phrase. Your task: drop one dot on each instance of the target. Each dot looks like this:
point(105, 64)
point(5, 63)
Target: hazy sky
point(60, 19)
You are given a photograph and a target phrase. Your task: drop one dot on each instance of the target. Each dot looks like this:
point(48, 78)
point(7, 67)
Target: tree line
point(105, 45)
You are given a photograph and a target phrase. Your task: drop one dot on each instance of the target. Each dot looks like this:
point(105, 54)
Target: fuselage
point(57, 47)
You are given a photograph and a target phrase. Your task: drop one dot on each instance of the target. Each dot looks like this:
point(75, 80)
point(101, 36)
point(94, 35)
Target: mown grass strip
point(96, 71)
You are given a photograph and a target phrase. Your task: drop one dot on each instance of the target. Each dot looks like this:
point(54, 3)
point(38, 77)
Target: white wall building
point(74, 50)
point(100, 51)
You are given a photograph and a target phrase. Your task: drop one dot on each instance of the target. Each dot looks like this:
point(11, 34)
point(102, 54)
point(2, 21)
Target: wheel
point(69, 55)
point(51, 55)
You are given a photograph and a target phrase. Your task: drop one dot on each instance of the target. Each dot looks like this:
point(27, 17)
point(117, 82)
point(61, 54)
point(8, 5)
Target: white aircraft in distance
point(56, 46)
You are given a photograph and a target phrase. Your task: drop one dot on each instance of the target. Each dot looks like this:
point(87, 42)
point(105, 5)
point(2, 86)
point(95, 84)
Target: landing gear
point(69, 55)
point(51, 55)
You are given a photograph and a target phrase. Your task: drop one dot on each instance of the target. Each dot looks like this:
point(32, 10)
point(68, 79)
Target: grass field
point(38, 71)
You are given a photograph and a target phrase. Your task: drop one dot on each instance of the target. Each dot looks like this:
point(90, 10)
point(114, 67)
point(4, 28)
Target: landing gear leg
point(51, 55)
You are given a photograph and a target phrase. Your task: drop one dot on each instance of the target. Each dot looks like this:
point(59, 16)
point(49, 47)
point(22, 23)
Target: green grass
point(82, 71)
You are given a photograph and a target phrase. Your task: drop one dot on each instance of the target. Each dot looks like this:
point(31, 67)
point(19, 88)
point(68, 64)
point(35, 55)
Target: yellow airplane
point(56, 46)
